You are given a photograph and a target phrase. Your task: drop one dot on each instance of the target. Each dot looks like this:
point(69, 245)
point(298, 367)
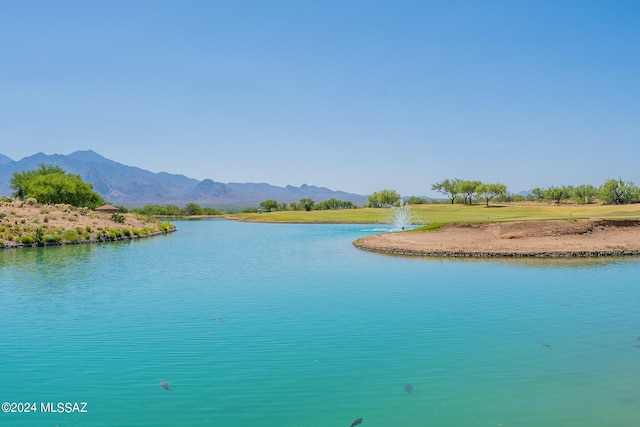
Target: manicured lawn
point(447, 213)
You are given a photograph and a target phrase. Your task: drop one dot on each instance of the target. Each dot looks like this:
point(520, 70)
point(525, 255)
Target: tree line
point(305, 204)
point(612, 191)
point(190, 209)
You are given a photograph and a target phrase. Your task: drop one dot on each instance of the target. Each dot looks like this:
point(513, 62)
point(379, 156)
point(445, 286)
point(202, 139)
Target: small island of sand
point(549, 238)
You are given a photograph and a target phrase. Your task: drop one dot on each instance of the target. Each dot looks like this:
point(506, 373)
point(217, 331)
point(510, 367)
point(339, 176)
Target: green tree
point(293, 206)
point(448, 188)
point(584, 194)
point(536, 195)
point(489, 191)
point(269, 205)
point(468, 189)
point(192, 209)
point(307, 204)
point(384, 199)
point(617, 192)
point(558, 194)
point(172, 210)
point(22, 180)
point(50, 184)
point(334, 204)
point(210, 211)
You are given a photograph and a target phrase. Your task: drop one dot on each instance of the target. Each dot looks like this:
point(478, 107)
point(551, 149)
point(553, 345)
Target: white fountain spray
point(403, 216)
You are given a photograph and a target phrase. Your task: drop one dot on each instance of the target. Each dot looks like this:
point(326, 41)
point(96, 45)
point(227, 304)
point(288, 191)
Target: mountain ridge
point(132, 186)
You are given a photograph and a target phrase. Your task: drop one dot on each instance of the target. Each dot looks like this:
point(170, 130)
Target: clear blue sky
point(352, 95)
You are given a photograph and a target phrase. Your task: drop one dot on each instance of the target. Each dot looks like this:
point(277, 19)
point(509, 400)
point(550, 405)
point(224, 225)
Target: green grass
point(439, 214)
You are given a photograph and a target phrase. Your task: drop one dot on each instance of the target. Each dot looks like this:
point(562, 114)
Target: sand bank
point(582, 238)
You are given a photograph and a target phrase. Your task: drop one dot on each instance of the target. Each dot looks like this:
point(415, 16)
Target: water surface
point(290, 325)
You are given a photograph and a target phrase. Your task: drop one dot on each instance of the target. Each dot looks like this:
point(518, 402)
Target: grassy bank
point(447, 213)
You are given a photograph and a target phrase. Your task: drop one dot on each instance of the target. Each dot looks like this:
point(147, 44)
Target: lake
point(290, 325)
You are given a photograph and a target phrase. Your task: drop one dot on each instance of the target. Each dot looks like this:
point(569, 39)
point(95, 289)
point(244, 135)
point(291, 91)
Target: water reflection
point(49, 269)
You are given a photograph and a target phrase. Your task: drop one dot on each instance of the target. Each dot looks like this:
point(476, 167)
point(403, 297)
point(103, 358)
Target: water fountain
point(403, 216)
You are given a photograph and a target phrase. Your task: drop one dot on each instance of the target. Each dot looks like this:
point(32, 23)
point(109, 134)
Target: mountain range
point(133, 187)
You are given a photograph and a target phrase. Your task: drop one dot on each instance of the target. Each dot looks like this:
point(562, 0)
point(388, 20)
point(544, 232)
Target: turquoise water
point(290, 325)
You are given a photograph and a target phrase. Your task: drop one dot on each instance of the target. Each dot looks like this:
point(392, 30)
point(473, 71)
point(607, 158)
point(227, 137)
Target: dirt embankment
point(583, 238)
point(24, 225)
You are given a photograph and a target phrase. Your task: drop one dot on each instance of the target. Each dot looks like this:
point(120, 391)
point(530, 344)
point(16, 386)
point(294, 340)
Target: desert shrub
point(114, 234)
point(136, 232)
point(27, 240)
point(118, 217)
point(88, 229)
point(70, 236)
point(39, 234)
point(165, 226)
point(99, 235)
point(31, 201)
point(49, 239)
point(44, 210)
point(83, 211)
point(126, 232)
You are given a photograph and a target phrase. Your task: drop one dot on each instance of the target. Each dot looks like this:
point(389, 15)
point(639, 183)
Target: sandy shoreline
point(554, 239)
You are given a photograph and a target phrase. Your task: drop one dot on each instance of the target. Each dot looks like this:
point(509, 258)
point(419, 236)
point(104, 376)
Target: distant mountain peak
point(131, 186)
point(86, 155)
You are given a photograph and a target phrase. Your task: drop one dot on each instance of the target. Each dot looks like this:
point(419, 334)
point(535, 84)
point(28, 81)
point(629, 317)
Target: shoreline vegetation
point(28, 224)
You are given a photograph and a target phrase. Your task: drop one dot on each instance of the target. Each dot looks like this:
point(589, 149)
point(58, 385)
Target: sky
point(357, 96)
